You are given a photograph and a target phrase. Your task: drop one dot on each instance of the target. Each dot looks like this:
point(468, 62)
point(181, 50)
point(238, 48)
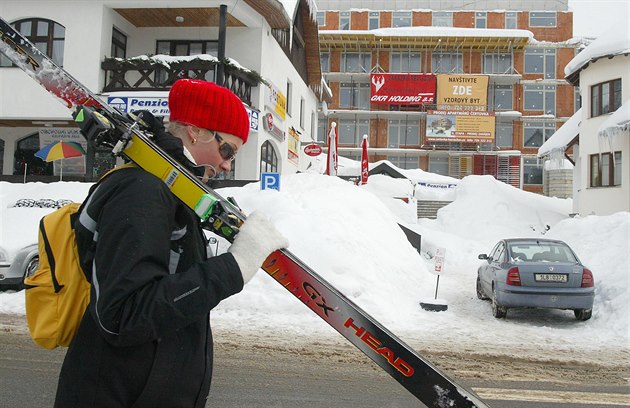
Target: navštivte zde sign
point(462, 92)
point(404, 89)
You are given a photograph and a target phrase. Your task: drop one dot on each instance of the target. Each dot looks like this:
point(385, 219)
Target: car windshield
point(541, 252)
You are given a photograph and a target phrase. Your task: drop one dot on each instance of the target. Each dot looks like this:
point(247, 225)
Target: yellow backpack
point(58, 293)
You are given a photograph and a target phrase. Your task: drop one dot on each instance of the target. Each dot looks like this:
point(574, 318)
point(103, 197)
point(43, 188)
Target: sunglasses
point(226, 149)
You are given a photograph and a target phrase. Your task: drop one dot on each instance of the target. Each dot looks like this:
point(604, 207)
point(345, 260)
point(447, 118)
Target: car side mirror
point(483, 256)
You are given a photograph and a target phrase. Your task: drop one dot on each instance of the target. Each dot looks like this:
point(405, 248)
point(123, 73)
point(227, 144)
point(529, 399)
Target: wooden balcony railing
point(147, 74)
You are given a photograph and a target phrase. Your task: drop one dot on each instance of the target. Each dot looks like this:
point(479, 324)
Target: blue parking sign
point(270, 181)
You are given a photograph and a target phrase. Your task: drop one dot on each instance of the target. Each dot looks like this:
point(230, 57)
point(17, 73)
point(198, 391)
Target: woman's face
point(210, 148)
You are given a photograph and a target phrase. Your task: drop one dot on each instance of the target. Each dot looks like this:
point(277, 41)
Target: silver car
point(540, 273)
point(13, 270)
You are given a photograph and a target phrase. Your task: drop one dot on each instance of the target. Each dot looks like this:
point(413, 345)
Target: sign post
point(436, 305)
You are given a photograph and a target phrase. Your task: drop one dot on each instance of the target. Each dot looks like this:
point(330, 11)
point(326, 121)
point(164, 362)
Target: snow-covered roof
point(290, 6)
point(563, 135)
point(619, 121)
point(615, 41)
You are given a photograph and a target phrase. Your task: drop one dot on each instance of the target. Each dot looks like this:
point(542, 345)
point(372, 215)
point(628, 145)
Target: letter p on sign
point(270, 181)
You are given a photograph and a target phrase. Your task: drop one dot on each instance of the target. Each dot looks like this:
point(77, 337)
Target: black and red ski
point(425, 381)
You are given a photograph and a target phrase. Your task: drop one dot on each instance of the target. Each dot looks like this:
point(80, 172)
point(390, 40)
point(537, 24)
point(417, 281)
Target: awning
point(563, 136)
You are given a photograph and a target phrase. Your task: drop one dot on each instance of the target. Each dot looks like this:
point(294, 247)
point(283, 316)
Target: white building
point(274, 68)
point(601, 175)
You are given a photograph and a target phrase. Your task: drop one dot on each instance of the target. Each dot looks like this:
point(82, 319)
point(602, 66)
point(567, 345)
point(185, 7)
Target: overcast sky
point(592, 17)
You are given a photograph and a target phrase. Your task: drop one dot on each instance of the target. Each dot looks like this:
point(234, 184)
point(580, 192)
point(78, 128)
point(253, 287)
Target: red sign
point(404, 89)
point(313, 150)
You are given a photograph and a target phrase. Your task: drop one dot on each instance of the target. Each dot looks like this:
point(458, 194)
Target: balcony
point(158, 73)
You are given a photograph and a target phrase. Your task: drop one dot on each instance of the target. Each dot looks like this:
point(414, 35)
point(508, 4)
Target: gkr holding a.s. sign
point(408, 89)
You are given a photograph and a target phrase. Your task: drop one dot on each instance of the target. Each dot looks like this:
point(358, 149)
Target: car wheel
point(497, 311)
point(583, 314)
point(31, 267)
point(480, 294)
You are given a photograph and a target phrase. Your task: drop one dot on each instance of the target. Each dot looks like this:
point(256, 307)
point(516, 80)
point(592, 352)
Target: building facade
point(451, 87)
point(601, 176)
point(130, 53)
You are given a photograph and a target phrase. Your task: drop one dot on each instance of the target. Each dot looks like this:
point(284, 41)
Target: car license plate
point(551, 277)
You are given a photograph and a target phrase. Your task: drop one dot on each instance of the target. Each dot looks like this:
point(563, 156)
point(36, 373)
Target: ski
point(104, 125)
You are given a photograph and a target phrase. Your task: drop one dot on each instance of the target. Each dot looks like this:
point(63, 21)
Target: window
point(500, 254)
point(268, 158)
point(497, 63)
point(302, 113)
point(504, 134)
point(314, 125)
point(537, 133)
point(540, 98)
point(356, 61)
point(403, 132)
point(344, 20)
point(447, 63)
point(511, 20)
point(500, 97)
point(442, 19)
point(541, 61)
point(401, 19)
point(438, 165)
point(324, 58)
point(481, 18)
point(289, 97)
point(354, 95)
point(24, 157)
point(182, 48)
point(374, 20)
point(404, 161)
point(542, 19)
point(405, 62)
point(322, 129)
point(119, 44)
point(321, 18)
point(605, 97)
point(46, 35)
point(605, 169)
point(351, 131)
point(532, 171)
point(578, 98)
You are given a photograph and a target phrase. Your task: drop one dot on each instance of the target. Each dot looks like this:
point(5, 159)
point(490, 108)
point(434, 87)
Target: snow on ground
point(350, 235)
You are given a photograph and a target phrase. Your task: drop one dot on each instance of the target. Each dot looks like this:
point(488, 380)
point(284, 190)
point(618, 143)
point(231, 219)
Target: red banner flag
point(332, 159)
point(364, 161)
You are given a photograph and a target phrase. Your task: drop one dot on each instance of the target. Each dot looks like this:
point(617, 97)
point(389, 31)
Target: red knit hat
point(209, 106)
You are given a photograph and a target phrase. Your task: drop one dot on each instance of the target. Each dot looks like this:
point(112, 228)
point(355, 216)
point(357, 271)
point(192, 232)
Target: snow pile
point(349, 235)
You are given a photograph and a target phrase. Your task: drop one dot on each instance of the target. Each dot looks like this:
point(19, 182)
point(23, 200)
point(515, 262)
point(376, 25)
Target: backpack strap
point(51, 257)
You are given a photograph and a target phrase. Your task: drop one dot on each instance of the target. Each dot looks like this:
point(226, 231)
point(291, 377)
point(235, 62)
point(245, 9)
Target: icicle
point(556, 158)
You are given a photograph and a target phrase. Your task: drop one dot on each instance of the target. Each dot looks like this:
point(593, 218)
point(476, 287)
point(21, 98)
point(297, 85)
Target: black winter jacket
point(145, 340)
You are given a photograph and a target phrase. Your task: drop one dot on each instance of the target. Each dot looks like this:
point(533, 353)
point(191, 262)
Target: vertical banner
point(293, 145)
point(276, 101)
point(331, 159)
point(364, 161)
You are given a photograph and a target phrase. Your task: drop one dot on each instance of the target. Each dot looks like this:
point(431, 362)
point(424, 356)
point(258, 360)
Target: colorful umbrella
point(60, 150)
